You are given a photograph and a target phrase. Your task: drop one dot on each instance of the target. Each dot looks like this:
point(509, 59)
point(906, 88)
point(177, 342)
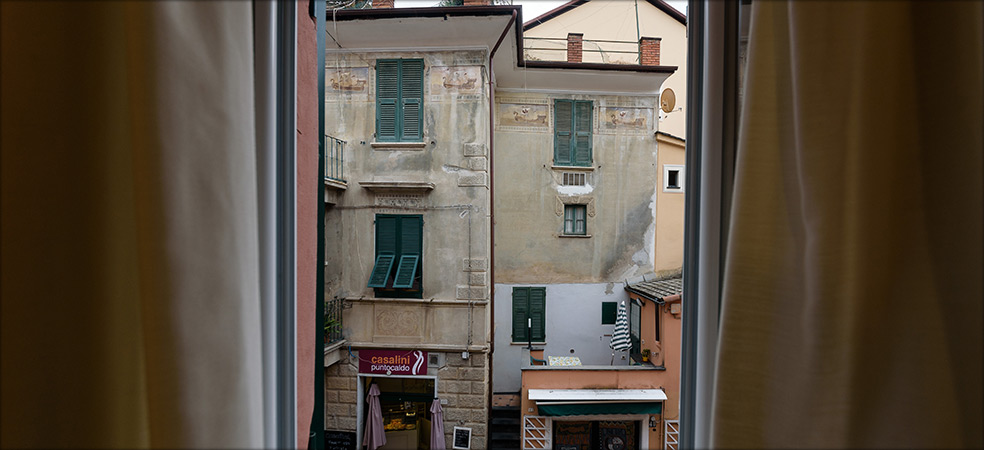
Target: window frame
point(398, 258)
point(681, 178)
point(573, 210)
point(400, 102)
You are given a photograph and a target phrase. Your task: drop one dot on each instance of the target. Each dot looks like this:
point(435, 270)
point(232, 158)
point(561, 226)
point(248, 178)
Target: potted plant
point(645, 355)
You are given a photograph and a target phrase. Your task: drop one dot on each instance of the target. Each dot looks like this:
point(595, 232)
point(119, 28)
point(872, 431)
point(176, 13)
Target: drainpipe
point(492, 216)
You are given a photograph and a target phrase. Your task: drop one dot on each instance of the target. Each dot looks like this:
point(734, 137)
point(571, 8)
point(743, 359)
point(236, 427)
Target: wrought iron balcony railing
point(334, 159)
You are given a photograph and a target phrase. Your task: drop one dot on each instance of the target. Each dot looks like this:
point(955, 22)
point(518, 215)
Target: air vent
point(573, 179)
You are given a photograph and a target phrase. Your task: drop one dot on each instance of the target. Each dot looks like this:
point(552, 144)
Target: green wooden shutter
point(563, 126)
point(582, 131)
point(381, 270)
point(411, 228)
point(386, 234)
point(387, 98)
point(608, 311)
point(412, 98)
point(405, 271)
point(538, 312)
point(520, 304)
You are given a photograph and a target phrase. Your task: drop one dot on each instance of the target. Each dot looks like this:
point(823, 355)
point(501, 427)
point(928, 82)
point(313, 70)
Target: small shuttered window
point(399, 100)
point(572, 132)
point(398, 255)
point(529, 314)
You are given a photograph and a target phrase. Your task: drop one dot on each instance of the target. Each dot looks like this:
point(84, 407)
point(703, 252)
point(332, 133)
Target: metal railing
point(334, 159)
point(605, 49)
point(333, 321)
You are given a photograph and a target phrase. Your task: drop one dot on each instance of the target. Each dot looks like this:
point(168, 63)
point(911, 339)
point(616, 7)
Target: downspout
point(492, 214)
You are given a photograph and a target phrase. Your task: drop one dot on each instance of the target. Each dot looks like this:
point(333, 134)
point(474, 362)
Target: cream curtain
point(852, 299)
point(131, 312)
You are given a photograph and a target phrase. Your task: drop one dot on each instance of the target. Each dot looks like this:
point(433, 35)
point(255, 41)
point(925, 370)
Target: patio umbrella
point(437, 425)
point(620, 337)
point(374, 436)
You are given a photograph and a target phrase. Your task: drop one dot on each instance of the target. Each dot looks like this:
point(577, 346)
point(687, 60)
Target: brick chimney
point(477, 2)
point(376, 4)
point(574, 43)
point(649, 51)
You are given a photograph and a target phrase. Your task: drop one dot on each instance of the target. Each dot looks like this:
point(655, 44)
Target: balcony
point(334, 168)
point(592, 50)
point(333, 337)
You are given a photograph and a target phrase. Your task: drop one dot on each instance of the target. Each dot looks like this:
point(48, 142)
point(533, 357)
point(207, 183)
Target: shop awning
point(586, 409)
point(579, 402)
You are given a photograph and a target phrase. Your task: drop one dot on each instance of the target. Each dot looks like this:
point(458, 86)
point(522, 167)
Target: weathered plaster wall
point(619, 193)
point(613, 20)
point(454, 159)
point(573, 323)
point(453, 314)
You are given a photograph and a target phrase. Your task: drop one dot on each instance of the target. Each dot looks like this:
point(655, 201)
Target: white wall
point(573, 322)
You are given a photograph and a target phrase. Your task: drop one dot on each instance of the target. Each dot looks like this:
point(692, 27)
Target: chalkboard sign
point(339, 440)
point(462, 438)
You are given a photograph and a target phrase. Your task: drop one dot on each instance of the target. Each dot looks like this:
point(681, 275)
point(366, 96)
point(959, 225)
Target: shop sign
point(393, 362)
point(339, 440)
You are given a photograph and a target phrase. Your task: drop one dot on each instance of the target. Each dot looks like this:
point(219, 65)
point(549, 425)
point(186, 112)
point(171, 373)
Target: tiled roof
point(658, 289)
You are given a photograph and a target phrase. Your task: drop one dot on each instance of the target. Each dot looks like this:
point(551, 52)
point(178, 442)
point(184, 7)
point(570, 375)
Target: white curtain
point(131, 308)
point(852, 299)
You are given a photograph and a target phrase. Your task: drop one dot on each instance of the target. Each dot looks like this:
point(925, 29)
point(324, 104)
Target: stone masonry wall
point(463, 383)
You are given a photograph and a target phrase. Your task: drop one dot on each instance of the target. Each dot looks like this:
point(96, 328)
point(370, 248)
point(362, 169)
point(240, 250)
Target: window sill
point(576, 168)
point(573, 235)
point(524, 343)
point(398, 145)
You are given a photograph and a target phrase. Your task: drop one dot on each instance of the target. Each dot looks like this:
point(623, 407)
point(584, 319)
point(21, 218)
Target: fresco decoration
point(639, 120)
point(524, 116)
point(455, 80)
point(347, 81)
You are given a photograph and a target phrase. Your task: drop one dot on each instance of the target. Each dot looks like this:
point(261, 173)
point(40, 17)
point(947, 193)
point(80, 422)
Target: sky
point(531, 8)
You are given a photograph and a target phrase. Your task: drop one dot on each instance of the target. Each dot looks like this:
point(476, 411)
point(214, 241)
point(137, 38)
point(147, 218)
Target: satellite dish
point(667, 101)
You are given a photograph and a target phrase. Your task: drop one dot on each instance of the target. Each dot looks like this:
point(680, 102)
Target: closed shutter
point(412, 96)
point(563, 127)
point(608, 313)
point(410, 234)
point(538, 312)
point(521, 298)
point(387, 98)
point(582, 131)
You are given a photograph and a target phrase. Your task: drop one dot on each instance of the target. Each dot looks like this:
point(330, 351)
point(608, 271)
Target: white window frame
point(681, 178)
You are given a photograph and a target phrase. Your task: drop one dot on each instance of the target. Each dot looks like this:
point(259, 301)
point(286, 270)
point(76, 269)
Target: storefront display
point(405, 405)
point(596, 435)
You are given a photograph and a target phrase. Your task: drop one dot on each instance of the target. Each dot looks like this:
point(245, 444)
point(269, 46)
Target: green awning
point(584, 409)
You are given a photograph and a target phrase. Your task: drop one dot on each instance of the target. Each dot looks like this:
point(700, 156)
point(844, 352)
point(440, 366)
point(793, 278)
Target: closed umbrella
point(374, 436)
point(620, 337)
point(437, 425)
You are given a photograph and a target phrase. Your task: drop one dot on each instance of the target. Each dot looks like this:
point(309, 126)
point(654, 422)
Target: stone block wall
point(463, 383)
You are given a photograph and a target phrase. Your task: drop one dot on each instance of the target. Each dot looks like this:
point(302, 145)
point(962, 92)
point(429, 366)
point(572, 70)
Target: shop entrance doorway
point(405, 402)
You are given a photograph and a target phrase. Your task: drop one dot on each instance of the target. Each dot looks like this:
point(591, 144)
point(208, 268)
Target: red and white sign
point(393, 362)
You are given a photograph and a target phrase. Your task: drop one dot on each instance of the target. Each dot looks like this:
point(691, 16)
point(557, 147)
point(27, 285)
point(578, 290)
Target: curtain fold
point(131, 311)
point(852, 298)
